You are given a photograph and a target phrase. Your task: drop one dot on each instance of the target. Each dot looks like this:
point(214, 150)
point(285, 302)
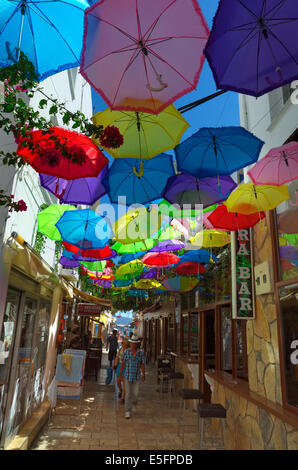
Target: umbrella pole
point(23, 11)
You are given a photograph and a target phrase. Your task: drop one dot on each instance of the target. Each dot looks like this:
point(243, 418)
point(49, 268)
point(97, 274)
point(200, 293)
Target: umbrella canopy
point(167, 233)
point(180, 284)
point(279, 166)
point(221, 218)
point(47, 219)
point(217, 151)
point(249, 198)
point(168, 245)
point(79, 191)
point(43, 31)
point(159, 260)
point(175, 211)
point(94, 265)
point(137, 57)
point(147, 284)
point(137, 293)
point(289, 252)
point(197, 256)
point(132, 248)
point(139, 181)
point(99, 253)
point(145, 135)
point(211, 238)
point(185, 189)
point(68, 263)
point(189, 268)
point(122, 283)
point(151, 273)
point(252, 47)
point(130, 270)
point(126, 258)
point(51, 161)
point(102, 283)
point(84, 228)
point(136, 225)
point(75, 256)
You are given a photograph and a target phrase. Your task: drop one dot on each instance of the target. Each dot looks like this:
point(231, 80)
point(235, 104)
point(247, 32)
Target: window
point(287, 226)
point(288, 297)
point(194, 330)
point(185, 333)
point(170, 333)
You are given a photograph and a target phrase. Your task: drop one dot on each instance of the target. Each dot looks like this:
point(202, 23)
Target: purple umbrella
point(168, 245)
point(80, 191)
point(252, 48)
point(102, 283)
point(289, 252)
point(185, 189)
point(68, 263)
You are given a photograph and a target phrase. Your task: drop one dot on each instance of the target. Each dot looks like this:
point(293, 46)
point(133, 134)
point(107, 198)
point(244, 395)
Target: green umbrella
point(175, 212)
point(130, 270)
point(136, 247)
point(94, 265)
point(47, 219)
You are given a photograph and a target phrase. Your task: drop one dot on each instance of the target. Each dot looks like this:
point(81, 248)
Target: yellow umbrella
point(137, 225)
point(249, 198)
point(145, 135)
point(148, 284)
point(211, 238)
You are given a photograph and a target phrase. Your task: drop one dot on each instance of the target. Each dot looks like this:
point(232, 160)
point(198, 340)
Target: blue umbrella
point(197, 256)
point(137, 293)
point(49, 33)
point(127, 257)
point(118, 283)
point(74, 256)
point(84, 229)
point(140, 181)
point(217, 151)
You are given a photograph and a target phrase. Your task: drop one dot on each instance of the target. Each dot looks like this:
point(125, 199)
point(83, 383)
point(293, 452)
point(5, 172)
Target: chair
point(187, 394)
point(172, 377)
point(206, 411)
point(163, 370)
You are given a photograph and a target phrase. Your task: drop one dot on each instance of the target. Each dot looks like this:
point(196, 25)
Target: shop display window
point(184, 326)
point(287, 227)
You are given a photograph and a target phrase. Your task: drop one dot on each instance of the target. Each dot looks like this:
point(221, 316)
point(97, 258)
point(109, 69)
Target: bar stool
point(211, 410)
point(171, 384)
point(164, 373)
point(187, 394)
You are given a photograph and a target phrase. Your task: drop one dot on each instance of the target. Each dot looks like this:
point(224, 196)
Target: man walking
point(134, 363)
point(113, 347)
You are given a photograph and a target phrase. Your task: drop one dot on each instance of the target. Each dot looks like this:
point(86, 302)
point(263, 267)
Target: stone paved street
point(101, 423)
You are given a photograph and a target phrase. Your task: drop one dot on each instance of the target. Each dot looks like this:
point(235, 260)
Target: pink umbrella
point(279, 166)
point(141, 55)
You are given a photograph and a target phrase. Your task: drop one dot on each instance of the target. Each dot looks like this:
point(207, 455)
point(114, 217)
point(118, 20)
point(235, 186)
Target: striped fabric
point(133, 365)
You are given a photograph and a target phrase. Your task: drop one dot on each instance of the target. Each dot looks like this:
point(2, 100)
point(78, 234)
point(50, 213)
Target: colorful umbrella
point(175, 211)
point(145, 135)
point(76, 257)
point(180, 283)
point(84, 228)
point(99, 253)
point(147, 284)
point(217, 151)
point(168, 245)
point(151, 273)
point(137, 293)
point(167, 233)
point(68, 263)
point(136, 225)
point(132, 248)
point(139, 181)
point(289, 252)
point(102, 283)
point(122, 283)
point(79, 191)
point(130, 270)
point(95, 265)
point(279, 166)
point(184, 189)
point(47, 219)
point(43, 31)
point(221, 218)
point(126, 258)
point(211, 238)
point(137, 57)
point(51, 161)
point(252, 47)
point(249, 198)
point(197, 256)
point(159, 260)
point(189, 268)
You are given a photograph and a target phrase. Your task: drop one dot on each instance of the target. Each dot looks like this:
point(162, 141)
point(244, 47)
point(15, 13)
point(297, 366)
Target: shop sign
point(89, 310)
point(242, 275)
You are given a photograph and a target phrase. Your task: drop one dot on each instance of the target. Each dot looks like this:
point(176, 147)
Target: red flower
point(22, 205)
point(111, 137)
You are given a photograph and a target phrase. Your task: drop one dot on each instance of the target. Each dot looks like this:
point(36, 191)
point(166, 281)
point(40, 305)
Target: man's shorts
point(112, 355)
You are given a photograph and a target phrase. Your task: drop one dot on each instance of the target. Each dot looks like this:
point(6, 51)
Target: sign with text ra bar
point(90, 310)
point(243, 298)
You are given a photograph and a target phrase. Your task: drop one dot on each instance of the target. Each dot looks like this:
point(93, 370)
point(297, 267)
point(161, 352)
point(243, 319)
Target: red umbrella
point(44, 157)
point(158, 260)
point(189, 268)
point(70, 247)
point(99, 253)
point(221, 219)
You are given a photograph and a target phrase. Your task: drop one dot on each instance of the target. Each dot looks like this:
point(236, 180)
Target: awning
point(90, 298)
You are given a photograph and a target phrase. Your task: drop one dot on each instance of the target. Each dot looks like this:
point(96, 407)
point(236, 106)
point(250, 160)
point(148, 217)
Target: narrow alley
point(101, 424)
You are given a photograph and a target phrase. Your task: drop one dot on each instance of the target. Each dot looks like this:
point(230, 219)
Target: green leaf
point(42, 103)
point(53, 109)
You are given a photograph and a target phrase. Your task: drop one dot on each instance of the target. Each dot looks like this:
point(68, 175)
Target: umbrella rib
point(246, 8)
point(32, 32)
point(131, 60)
point(116, 27)
point(169, 65)
point(151, 27)
point(58, 32)
point(282, 45)
point(276, 8)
